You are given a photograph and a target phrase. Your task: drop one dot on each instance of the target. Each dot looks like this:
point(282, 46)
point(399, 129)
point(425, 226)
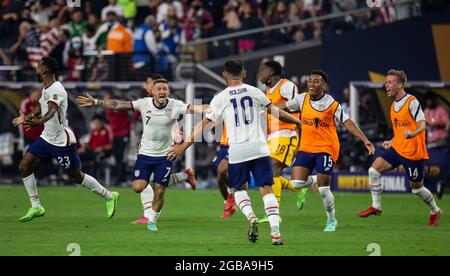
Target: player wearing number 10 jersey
point(239, 106)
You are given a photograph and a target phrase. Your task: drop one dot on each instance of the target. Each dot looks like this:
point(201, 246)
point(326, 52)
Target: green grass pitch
point(190, 224)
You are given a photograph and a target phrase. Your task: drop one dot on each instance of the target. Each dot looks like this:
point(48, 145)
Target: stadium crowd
point(149, 34)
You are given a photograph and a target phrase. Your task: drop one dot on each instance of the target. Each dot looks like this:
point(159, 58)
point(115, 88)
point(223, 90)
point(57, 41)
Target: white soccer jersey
point(240, 108)
point(322, 104)
point(56, 130)
point(158, 124)
point(414, 108)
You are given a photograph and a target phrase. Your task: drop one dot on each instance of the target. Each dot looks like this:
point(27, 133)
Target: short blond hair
point(399, 74)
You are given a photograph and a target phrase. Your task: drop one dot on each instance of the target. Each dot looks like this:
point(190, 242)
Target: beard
point(39, 78)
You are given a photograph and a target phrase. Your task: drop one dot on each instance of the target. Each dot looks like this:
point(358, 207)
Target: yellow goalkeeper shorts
point(283, 149)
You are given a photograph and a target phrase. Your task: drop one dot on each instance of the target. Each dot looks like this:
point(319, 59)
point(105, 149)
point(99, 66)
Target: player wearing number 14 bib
point(407, 148)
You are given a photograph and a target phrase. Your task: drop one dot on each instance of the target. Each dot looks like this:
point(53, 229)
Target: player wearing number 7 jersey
point(159, 114)
point(407, 148)
point(319, 143)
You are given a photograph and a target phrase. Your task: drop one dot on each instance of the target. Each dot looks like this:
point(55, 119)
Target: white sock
point(375, 187)
point(243, 202)
point(153, 215)
point(272, 211)
point(178, 177)
point(147, 199)
point(93, 185)
point(300, 184)
point(30, 186)
point(174, 178)
point(427, 197)
point(328, 201)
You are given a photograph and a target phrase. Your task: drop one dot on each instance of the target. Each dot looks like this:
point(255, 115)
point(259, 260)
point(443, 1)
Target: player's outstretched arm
point(88, 100)
point(178, 150)
point(421, 126)
point(356, 131)
point(282, 115)
point(198, 109)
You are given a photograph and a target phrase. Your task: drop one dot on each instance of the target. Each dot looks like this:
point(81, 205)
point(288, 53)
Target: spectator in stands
point(120, 39)
point(119, 120)
point(278, 14)
point(249, 20)
point(146, 47)
point(98, 147)
point(105, 28)
point(163, 10)
point(231, 17)
point(113, 6)
point(27, 106)
point(100, 70)
point(198, 22)
point(171, 38)
point(77, 25)
point(41, 12)
point(436, 116)
point(129, 10)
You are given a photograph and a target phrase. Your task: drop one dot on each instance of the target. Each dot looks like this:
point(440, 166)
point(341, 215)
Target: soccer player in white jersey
point(159, 115)
point(57, 140)
point(188, 175)
point(239, 106)
point(319, 144)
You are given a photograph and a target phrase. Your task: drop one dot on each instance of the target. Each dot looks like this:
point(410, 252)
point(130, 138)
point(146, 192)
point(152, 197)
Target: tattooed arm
point(88, 100)
point(34, 121)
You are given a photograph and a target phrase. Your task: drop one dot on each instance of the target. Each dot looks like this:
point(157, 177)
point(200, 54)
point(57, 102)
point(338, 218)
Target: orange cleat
point(191, 178)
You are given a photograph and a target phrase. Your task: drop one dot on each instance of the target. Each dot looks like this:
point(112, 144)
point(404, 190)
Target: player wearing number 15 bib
point(319, 143)
point(407, 148)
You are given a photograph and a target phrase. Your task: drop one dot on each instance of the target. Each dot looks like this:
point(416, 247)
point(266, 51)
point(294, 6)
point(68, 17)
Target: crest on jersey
point(137, 173)
point(55, 97)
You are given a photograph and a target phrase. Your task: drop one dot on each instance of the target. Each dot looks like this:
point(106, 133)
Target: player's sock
point(375, 187)
point(93, 185)
point(30, 186)
point(427, 197)
point(300, 184)
point(153, 215)
point(287, 184)
point(276, 188)
point(243, 202)
point(272, 212)
point(147, 199)
point(178, 177)
point(328, 201)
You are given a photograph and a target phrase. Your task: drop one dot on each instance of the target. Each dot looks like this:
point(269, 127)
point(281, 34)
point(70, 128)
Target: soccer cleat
point(141, 220)
point(191, 178)
point(301, 198)
point(266, 220)
point(434, 219)
point(112, 204)
point(331, 225)
point(152, 226)
point(229, 208)
point(276, 239)
point(33, 213)
point(253, 230)
point(369, 212)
